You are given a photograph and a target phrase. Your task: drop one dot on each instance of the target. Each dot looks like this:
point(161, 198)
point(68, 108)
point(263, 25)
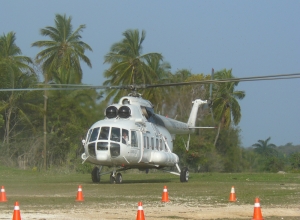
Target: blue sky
point(250, 37)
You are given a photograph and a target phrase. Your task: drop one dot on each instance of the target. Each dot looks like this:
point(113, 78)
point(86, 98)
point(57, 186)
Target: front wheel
point(184, 175)
point(95, 175)
point(119, 178)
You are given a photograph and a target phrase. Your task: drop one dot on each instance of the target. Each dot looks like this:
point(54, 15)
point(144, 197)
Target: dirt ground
point(161, 211)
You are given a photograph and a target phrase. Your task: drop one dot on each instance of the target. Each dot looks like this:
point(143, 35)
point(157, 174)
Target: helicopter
point(133, 136)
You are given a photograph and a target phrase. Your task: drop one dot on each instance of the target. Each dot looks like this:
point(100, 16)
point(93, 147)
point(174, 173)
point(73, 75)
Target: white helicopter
point(133, 136)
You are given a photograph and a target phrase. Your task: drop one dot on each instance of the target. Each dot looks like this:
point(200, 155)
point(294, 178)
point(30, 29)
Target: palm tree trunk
point(45, 121)
point(218, 133)
point(7, 126)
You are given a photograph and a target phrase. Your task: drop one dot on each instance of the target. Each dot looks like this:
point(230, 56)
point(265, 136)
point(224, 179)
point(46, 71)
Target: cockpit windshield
point(104, 133)
point(94, 134)
point(115, 134)
point(108, 133)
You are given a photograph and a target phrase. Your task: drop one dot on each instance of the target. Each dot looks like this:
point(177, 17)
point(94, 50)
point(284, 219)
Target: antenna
point(210, 94)
point(212, 78)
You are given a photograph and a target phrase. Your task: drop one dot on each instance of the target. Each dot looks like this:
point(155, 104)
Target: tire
point(95, 175)
point(184, 175)
point(119, 178)
point(112, 179)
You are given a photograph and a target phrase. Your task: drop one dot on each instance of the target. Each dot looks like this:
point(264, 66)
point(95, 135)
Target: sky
point(251, 37)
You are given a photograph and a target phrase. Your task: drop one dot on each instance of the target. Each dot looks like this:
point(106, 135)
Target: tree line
point(44, 129)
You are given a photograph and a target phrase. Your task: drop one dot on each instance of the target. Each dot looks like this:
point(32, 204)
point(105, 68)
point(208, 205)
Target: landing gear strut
point(112, 178)
point(184, 175)
point(115, 176)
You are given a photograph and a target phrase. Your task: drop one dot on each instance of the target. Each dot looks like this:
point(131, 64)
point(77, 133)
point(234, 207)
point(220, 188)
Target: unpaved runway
point(157, 211)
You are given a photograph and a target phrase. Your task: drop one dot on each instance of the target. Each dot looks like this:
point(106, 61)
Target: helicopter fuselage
point(133, 136)
point(148, 145)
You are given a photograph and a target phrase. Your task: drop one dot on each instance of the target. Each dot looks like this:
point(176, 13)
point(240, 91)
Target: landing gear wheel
point(95, 175)
point(112, 179)
point(184, 175)
point(119, 178)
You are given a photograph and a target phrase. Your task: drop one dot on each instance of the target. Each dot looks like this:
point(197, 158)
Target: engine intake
point(111, 112)
point(124, 112)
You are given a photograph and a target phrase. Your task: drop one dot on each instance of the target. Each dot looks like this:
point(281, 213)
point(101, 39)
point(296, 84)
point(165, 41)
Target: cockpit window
point(89, 134)
point(125, 137)
point(115, 134)
point(104, 133)
point(134, 139)
point(94, 134)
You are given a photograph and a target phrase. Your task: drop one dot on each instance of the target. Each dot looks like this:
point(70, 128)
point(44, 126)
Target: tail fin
point(197, 103)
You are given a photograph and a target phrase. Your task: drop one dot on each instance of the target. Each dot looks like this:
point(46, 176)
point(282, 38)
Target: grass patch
point(54, 190)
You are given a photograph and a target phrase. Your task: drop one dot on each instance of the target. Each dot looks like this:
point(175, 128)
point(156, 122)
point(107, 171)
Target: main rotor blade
point(33, 89)
point(242, 79)
point(144, 86)
point(67, 87)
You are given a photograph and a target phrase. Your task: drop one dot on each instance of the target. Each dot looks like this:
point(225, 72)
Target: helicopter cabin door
point(135, 146)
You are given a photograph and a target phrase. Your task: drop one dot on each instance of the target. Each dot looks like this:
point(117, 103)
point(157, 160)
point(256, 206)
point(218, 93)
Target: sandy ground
point(161, 211)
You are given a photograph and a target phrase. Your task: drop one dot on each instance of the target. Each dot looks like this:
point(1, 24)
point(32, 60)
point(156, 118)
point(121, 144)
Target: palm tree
point(181, 75)
point(264, 148)
point(128, 64)
point(61, 58)
point(15, 72)
point(12, 62)
point(183, 96)
point(226, 108)
point(163, 75)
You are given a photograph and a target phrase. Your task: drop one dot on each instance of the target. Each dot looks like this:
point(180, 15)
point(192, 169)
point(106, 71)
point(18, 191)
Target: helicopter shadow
point(145, 181)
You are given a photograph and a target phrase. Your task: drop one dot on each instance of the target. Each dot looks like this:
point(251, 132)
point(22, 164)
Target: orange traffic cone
point(140, 213)
point(232, 197)
point(257, 211)
point(3, 195)
point(17, 214)
point(165, 196)
point(79, 197)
